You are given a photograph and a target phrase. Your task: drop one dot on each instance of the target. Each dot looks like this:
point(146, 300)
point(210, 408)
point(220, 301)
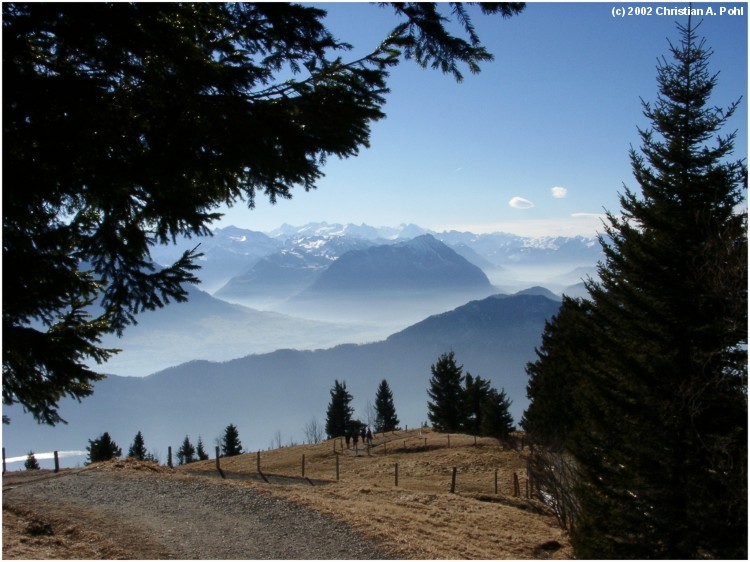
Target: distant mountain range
point(321, 285)
point(240, 264)
point(281, 391)
point(420, 264)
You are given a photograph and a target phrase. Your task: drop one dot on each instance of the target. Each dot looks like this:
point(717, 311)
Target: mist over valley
point(280, 316)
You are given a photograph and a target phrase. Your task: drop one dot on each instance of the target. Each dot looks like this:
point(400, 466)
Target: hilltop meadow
point(418, 518)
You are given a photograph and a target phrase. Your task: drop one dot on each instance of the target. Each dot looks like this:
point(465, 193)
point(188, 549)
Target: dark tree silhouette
point(659, 435)
point(385, 409)
point(230, 442)
point(102, 449)
point(138, 448)
point(339, 414)
point(31, 463)
point(446, 410)
point(128, 124)
point(200, 450)
point(497, 420)
point(476, 391)
point(186, 452)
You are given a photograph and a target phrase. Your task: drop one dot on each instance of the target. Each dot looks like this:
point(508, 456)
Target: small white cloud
point(520, 203)
point(559, 192)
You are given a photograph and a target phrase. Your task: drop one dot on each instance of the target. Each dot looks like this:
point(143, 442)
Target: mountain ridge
point(285, 389)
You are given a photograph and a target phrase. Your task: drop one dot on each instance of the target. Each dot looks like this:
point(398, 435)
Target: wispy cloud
point(520, 203)
point(559, 192)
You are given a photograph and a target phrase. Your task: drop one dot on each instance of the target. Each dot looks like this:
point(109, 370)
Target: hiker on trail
point(355, 436)
point(369, 437)
point(348, 437)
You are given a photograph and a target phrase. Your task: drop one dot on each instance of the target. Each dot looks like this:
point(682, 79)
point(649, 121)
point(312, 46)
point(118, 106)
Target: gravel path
point(193, 518)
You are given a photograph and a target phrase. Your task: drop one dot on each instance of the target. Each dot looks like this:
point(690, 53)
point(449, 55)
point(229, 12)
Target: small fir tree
point(230, 442)
point(31, 462)
point(102, 449)
point(339, 415)
point(200, 451)
point(385, 409)
point(476, 391)
point(186, 453)
point(497, 420)
point(138, 448)
point(445, 409)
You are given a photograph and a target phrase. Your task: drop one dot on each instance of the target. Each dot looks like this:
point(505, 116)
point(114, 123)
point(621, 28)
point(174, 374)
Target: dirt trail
point(171, 516)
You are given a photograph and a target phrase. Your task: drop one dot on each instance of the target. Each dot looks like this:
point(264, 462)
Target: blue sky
point(536, 144)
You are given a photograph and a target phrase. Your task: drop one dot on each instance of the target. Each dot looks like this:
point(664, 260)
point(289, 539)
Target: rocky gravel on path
point(194, 518)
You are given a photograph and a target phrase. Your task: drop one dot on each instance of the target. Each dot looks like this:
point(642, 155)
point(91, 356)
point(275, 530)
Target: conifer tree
point(385, 409)
point(102, 449)
point(553, 412)
point(138, 448)
point(200, 451)
point(186, 453)
point(554, 377)
point(31, 462)
point(446, 409)
point(476, 391)
point(230, 442)
point(339, 414)
point(661, 435)
point(128, 124)
point(497, 420)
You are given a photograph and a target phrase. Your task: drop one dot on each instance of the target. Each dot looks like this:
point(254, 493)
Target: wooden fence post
point(169, 457)
point(453, 481)
point(257, 461)
point(4, 469)
point(303, 465)
point(449, 441)
point(396, 473)
point(337, 467)
point(495, 481)
point(57, 462)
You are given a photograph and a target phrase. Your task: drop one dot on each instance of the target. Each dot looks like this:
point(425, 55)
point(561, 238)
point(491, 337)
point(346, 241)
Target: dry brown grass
point(419, 518)
point(47, 531)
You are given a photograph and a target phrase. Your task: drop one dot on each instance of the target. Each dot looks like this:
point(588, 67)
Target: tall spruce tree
point(385, 409)
point(661, 438)
point(339, 414)
point(445, 409)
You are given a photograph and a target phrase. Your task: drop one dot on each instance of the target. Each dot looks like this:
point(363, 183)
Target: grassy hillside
point(419, 517)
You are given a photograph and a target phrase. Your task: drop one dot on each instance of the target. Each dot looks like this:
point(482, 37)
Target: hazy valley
point(292, 311)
